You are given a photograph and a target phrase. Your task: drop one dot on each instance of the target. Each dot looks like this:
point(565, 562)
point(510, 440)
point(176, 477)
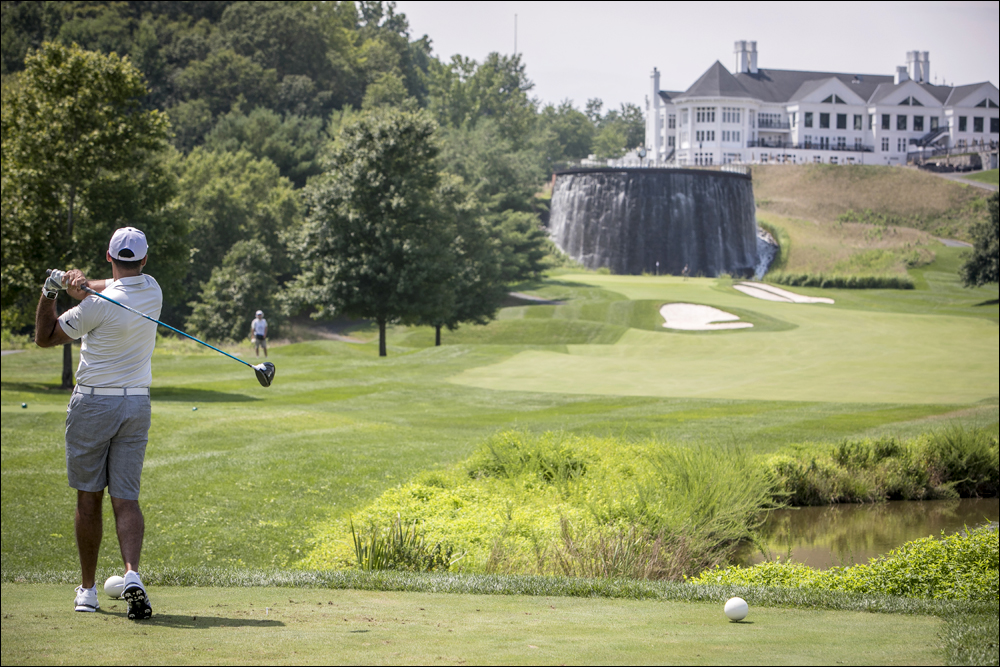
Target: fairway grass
point(315, 626)
point(825, 354)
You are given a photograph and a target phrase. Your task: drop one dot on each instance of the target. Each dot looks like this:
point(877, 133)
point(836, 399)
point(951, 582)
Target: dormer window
point(988, 104)
point(834, 99)
point(911, 101)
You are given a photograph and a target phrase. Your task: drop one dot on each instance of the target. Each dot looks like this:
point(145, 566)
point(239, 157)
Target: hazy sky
point(579, 50)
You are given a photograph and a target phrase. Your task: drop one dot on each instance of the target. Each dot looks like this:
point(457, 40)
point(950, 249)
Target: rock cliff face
point(627, 220)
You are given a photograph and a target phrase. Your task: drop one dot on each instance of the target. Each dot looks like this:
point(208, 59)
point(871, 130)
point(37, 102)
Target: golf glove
point(53, 284)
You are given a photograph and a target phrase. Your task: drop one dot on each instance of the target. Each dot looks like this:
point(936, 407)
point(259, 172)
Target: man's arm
point(48, 333)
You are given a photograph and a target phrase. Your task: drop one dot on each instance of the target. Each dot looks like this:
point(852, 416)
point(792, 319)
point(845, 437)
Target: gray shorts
point(106, 443)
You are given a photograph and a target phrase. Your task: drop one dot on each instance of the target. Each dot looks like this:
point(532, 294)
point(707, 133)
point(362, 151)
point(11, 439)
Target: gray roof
point(783, 85)
point(716, 82)
point(940, 93)
point(669, 95)
point(960, 92)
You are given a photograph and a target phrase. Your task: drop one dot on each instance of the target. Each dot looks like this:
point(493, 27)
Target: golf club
point(264, 371)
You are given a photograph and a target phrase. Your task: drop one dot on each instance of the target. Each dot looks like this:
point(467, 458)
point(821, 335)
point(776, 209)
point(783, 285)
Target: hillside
point(901, 196)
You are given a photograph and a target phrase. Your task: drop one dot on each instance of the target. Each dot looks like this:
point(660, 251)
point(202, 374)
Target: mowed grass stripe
point(312, 626)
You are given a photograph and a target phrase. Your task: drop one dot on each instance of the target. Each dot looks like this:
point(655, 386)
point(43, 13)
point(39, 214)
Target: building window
point(885, 122)
point(736, 134)
point(857, 143)
point(705, 114)
point(818, 159)
point(795, 118)
point(807, 141)
point(977, 124)
point(684, 116)
point(730, 115)
point(833, 159)
point(841, 143)
point(704, 135)
point(901, 122)
point(671, 141)
point(672, 122)
point(901, 145)
point(918, 123)
point(841, 121)
point(885, 144)
point(962, 124)
point(809, 118)
point(994, 125)
point(824, 143)
point(857, 121)
point(824, 121)
point(934, 123)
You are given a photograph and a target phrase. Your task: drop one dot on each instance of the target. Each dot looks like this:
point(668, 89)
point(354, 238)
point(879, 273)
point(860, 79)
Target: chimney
point(901, 74)
point(742, 57)
point(913, 65)
point(753, 57)
point(925, 77)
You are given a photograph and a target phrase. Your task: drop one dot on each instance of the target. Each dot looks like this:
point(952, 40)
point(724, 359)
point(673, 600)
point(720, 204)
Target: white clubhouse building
point(764, 115)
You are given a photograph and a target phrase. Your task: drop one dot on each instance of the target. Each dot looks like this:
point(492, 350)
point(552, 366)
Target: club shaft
point(133, 310)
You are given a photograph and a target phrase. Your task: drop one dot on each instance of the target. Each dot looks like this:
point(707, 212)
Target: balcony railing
point(768, 124)
point(764, 143)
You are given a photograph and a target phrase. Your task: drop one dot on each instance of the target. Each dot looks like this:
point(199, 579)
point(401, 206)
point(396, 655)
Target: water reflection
point(848, 534)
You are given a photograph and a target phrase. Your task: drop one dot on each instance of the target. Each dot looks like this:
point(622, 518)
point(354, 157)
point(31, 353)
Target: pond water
point(848, 534)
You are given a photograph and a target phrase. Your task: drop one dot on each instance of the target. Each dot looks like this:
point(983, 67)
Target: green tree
point(229, 197)
point(373, 245)
point(564, 133)
point(225, 77)
point(618, 130)
point(473, 289)
point(980, 266)
point(81, 157)
point(291, 142)
point(239, 287)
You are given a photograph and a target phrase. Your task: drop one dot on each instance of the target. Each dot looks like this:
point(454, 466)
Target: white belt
point(111, 391)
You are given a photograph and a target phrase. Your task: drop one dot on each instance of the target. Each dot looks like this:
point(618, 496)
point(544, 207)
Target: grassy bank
point(905, 197)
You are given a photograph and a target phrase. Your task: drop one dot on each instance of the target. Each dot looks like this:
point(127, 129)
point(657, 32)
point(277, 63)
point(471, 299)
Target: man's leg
point(89, 530)
point(130, 527)
point(264, 342)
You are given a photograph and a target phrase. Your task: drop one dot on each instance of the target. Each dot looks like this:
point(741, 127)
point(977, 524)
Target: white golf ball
point(736, 609)
point(114, 586)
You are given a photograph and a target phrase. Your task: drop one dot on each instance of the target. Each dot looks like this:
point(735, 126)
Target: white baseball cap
point(128, 244)
point(260, 312)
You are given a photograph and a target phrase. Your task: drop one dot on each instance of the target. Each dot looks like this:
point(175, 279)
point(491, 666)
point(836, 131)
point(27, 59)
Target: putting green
point(315, 626)
point(829, 353)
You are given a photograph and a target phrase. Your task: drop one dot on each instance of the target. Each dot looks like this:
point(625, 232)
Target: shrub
point(946, 464)
point(834, 281)
point(963, 566)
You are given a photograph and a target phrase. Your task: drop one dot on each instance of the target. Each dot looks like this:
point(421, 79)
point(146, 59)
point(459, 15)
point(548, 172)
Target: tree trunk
point(67, 374)
point(437, 336)
point(381, 338)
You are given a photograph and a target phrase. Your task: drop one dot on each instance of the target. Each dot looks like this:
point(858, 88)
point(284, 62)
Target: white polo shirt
point(117, 345)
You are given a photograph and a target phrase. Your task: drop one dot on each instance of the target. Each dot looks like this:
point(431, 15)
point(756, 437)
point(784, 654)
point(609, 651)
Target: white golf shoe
point(86, 599)
point(139, 608)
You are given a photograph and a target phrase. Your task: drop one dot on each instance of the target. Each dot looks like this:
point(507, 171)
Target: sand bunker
point(692, 317)
point(771, 293)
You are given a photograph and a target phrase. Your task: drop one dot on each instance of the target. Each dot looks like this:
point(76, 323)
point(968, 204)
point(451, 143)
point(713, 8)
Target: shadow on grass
point(203, 622)
point(991, 302)
point(198, 396)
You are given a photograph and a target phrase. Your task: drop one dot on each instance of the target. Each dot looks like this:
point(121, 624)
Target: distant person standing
point(258, 331)
point(685, 272)
point(107, 422)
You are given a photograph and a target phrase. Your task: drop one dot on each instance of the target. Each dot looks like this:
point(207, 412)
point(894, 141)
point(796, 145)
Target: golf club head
point(265, 373)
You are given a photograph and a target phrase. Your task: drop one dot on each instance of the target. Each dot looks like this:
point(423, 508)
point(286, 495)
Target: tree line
point(227, 130)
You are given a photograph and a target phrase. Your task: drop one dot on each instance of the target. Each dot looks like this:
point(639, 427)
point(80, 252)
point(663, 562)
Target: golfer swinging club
point(107, 423)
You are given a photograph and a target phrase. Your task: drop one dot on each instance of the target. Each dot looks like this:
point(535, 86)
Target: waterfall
point(627, 220)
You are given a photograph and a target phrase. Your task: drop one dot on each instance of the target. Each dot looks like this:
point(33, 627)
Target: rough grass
point(912, 198)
